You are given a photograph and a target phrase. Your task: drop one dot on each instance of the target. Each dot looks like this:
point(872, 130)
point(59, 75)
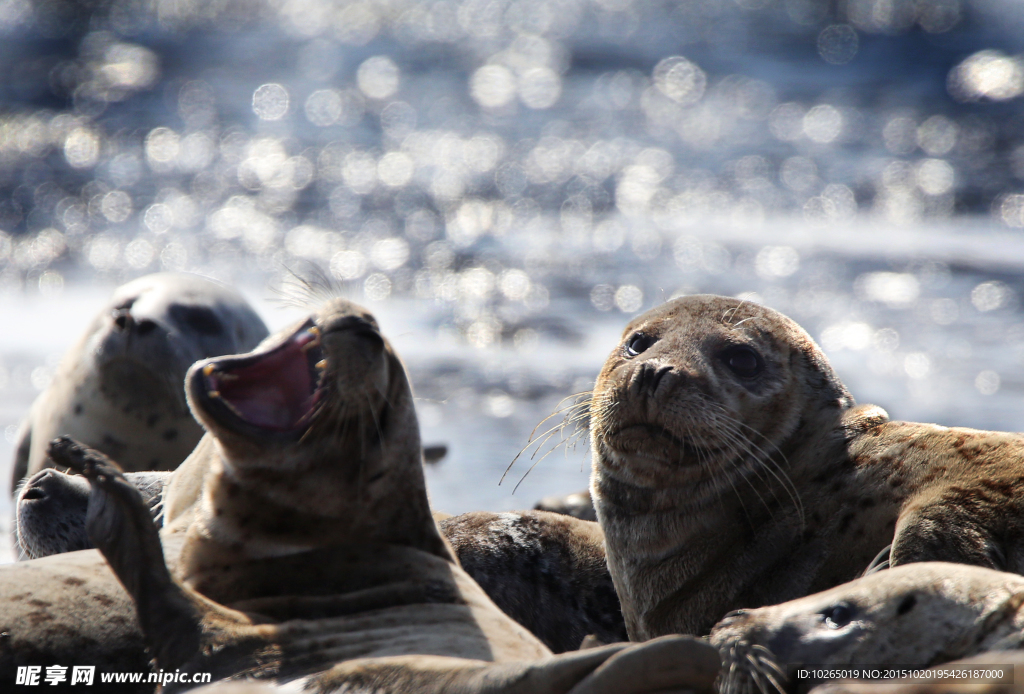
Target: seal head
point(912, 616)
point(120, 389)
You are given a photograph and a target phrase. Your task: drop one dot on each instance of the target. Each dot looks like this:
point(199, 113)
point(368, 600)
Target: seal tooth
point(322, 364)
point(213, 393)
point(209, 369)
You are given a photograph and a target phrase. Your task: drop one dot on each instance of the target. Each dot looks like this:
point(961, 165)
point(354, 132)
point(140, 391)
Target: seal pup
point(731, 468)
point(914, 616)
point(120, 388)
point(313, 555)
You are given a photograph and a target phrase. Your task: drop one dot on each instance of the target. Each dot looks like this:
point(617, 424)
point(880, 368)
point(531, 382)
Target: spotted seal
point(119, 389)
point(912, 617)
point(731, 468)
point(546, 571)
point(312, 556)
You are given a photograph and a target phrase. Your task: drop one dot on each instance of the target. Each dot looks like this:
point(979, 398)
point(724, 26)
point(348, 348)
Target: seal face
point(732, 469)
point(51, 505)
point(120, 389)
point(911, 616)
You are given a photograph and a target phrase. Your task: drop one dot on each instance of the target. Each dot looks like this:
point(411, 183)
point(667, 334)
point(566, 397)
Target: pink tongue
point(275, 392)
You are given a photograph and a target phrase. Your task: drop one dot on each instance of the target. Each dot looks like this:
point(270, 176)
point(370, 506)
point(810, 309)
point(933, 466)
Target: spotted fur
point(317, 558)
point(732, 469)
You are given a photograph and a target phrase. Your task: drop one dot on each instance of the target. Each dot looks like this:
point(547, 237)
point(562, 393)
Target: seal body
point(120, 388)
point(732, 469)
point(312, 556)
point(545, 570)
point(913, 616)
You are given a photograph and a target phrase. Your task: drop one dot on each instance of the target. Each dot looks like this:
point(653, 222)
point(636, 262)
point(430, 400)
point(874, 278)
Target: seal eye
point(198, 318)
point(743, 361)
point(838, 616)
point(638, 343)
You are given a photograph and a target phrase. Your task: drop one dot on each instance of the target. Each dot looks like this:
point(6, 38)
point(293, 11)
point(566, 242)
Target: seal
point(731, 469)
point(910, 617)
point(546, 571)
point(312, 556)
point(119, 388)
point(49, 516)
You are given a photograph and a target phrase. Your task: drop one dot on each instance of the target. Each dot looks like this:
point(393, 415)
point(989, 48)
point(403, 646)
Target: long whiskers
point(309, 288)
point(765, 459)
point(575, 415)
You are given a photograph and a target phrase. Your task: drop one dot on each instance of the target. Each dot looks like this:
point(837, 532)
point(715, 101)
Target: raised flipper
point(175, 622)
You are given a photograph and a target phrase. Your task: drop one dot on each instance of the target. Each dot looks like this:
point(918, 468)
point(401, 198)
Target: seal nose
point(648, 378)
point(39, 486)
point(369, 338)
point(125, 322)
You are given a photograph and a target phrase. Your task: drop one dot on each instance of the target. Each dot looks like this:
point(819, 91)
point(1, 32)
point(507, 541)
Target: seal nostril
point(33, 493)
point(145, 327)
point(658, 376)
point(122, 318)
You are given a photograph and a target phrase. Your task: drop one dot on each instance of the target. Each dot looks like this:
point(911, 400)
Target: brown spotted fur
point(318, 559)
point(717, 493)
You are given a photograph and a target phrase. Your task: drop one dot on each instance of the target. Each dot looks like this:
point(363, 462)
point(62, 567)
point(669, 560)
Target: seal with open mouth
point(120, 388)
point(908, 618)
point(731, 469)
point(312, 555)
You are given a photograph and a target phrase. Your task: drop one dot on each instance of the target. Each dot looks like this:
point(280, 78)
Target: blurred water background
point(507, 182)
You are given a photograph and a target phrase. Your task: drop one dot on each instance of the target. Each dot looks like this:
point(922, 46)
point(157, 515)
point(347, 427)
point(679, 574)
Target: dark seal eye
point(637, 343)
point(198, 318)
point(838, 616)
point(743, 361)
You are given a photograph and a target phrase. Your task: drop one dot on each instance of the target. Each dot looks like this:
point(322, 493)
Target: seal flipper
point(176, 623)
point(939, 532)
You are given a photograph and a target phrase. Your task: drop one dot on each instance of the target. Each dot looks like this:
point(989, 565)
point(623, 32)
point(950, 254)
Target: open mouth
point(271, 392)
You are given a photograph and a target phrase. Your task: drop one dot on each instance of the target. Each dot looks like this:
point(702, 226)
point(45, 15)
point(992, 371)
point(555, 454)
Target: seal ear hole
point(638, 343)
point(743, 361)
point(838, 616)
point(906, 605)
